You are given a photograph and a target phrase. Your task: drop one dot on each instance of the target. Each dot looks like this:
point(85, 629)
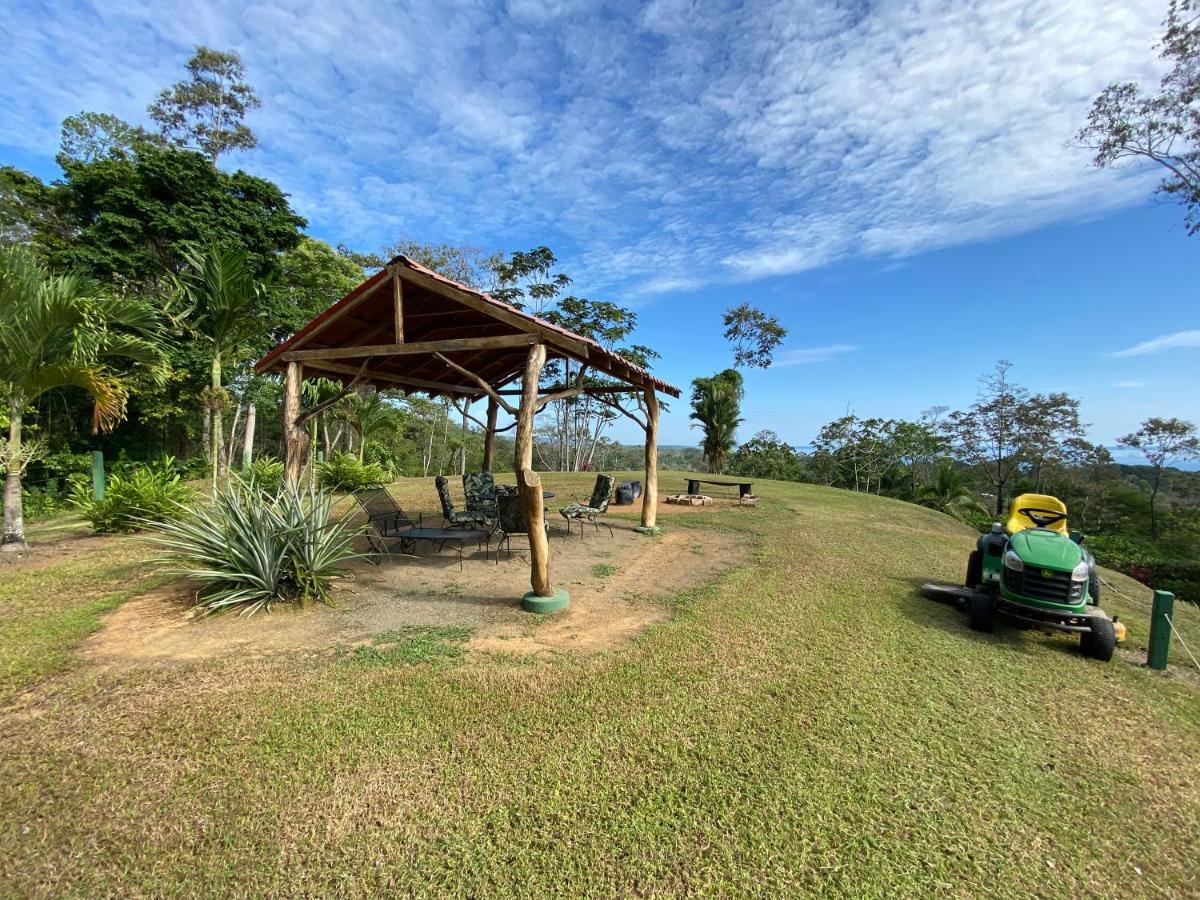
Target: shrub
point(253, 549)
point(131, 502)
point(266, 472)
point(346, 472)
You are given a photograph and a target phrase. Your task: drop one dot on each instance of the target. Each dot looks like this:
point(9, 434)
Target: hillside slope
point(806, 722)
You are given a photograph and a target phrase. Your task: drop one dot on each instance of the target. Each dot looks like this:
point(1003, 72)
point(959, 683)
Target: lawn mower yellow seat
point(1018, 522)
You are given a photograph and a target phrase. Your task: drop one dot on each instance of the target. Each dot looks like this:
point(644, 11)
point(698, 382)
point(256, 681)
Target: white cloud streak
point(807, 355)
point(657, 148)
point(1179, 340)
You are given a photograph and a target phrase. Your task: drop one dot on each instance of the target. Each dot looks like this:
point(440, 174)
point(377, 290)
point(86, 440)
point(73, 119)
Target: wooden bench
point(693, 485)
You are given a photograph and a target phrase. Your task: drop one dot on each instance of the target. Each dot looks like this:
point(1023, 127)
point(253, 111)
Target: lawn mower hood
point(1043, 548)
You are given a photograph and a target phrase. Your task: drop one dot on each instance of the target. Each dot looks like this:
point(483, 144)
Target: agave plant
point(251, 549)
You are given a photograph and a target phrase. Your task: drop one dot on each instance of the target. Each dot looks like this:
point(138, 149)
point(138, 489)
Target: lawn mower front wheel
point(982, 613)
point(1101, 641)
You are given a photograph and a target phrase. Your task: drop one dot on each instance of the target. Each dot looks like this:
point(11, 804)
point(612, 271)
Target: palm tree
point(950, 493)
point(369, 416)
point(222, 295)
point(716, 404)
point(59, 331)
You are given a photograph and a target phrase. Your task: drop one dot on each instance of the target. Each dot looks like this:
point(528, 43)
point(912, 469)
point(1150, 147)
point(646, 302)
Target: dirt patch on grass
point(53, 550)
point(617, 585)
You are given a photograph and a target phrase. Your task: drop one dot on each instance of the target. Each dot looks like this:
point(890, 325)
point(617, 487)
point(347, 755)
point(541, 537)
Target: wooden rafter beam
point(398, 380)
point(550, 335)
point(498, 342)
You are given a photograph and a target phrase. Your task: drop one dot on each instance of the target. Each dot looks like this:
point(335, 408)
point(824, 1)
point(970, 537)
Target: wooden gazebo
point(408, 327)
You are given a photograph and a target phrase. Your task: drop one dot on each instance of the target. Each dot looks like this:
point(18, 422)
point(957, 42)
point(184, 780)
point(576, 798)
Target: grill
point(1056, 587)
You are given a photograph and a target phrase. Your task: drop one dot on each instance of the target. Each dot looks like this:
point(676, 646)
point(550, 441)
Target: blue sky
point(894, 180)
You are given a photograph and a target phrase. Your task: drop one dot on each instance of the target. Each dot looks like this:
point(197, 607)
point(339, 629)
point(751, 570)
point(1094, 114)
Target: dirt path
point(616, 586)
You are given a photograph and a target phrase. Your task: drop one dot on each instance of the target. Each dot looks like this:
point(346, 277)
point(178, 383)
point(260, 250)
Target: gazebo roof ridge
point(561, 341)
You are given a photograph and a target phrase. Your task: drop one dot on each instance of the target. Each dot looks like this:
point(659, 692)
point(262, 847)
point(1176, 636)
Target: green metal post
point(1159, 644)
point(98, 474)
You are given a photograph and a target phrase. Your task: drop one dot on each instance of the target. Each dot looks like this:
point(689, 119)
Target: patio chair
point(593, 509)
point(467, 518)
point(510, 518)
point(479, 488)
point(383, 512)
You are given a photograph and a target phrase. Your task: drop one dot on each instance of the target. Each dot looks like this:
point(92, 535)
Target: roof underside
point(438, 309)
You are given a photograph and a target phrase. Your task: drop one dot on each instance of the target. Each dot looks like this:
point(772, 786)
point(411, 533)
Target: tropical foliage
point(132, 502)
point(346, 472)
point(63, 331)
point(249, 549)
point(716, 408)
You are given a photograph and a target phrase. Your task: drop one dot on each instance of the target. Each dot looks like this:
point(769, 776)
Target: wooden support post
point(529, 484)
point(295, 435)
point(650, 485)
point(489, 435)
point(398, 305)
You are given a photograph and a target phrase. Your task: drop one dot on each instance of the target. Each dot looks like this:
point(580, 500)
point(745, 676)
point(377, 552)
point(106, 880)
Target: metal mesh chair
point(594, 509)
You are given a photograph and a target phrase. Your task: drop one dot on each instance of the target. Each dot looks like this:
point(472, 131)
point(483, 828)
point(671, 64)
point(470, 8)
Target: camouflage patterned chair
point(457, 518)
point(593, 509)
point(480, 490)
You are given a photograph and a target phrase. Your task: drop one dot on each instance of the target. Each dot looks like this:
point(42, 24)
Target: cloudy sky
point(895, 180)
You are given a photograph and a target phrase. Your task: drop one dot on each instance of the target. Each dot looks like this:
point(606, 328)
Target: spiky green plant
point(149, 494)
point(251, 549)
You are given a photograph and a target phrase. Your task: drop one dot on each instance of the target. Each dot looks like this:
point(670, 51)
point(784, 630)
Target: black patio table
point(406, 541)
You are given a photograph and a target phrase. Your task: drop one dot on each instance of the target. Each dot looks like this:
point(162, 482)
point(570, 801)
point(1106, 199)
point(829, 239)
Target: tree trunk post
point(248, 443)
point(489, 436)
point(650, 485)
point(543, 597)
point(14, 511)
point(295, 437)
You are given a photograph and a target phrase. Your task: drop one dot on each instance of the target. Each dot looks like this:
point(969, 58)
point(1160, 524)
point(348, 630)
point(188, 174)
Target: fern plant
point(251, 549)
point(346, 472)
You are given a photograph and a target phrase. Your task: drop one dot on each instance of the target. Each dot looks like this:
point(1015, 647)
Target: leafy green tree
point(753, 334)
point(464, 264)
point(205, 112)
point(133, 217)
point(62, 331)
point(716, 407)
point(527, 278)
point(916, 445)
point(1163, 127)
point(371, 416)
point(767, 456)
point(1162, 442)
point(220, 292)
point(949, 492)
point(90, 136)
point(28, 213)
point(313, 276)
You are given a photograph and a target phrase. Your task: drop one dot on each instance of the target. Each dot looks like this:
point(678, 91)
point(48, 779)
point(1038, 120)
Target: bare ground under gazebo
point(618, 586)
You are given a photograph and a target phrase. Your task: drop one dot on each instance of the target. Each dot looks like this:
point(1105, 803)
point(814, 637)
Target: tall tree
point(716, 407)
point(1163, 127)
point(527, 279)
point(988, 434)
point(91, 136)
point(205, 112)
point(62, 331)
point(753, 334)
point(220, 292)
point(1162, 442)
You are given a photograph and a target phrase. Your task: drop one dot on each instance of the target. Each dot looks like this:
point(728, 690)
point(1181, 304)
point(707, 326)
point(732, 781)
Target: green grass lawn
point(806, 723)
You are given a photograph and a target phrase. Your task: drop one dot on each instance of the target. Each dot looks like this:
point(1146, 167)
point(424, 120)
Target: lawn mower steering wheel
point(1043, 517)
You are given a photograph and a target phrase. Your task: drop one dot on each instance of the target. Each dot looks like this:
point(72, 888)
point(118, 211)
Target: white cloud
point(807, 355)
point(1179, 340)
point(656, 149)
point(1130, 385)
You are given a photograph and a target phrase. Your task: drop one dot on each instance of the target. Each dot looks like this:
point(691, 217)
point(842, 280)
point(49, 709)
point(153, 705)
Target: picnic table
point(406, 541)
point(693, 485)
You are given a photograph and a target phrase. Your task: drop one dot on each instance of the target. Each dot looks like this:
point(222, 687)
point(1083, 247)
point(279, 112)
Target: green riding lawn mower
point(1034, 572)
